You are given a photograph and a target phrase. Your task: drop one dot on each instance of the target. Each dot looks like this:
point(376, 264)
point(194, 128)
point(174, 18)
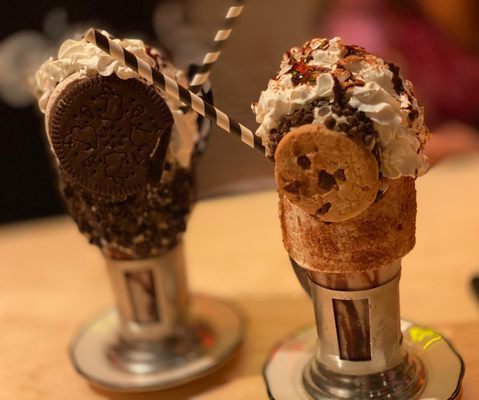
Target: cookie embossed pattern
point(111, 136)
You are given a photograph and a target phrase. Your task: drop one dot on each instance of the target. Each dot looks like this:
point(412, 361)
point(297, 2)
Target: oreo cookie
point(110, 135)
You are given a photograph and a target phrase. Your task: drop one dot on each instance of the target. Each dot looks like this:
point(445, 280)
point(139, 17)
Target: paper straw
point(221, 37)
point(172, 88)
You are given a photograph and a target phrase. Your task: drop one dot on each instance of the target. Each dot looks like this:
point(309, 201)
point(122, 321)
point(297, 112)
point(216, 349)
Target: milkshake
point(347, 134)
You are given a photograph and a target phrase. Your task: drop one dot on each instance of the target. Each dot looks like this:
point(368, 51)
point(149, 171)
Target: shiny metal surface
point(215, 332)
point(444, 368)
point(151, 295)
point(378, 321)
point(158, 336)
point(403, 382)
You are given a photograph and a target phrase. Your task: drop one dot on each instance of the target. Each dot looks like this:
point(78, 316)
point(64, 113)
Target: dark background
point(27, 180)
point(251, 57)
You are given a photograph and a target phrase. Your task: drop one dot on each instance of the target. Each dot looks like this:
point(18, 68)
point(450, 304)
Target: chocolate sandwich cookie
point(326, 173)
point(110, 135)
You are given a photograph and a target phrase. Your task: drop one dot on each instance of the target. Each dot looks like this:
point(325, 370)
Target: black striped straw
point(221, 37)
point(172, 88)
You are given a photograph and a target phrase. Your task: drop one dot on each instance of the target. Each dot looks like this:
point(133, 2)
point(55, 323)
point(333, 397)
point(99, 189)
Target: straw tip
point(90, 34)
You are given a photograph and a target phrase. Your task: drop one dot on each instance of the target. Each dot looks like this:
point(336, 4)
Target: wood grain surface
point(52, 281)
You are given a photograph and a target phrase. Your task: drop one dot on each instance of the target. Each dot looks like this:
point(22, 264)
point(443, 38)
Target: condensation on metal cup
point(159, 335)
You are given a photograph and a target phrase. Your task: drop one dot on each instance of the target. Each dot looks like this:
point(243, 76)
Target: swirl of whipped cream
point(79, 58)
point(327, 74)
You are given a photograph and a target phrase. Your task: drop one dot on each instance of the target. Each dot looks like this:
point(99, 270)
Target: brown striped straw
point(221, 37)
point(172, 88)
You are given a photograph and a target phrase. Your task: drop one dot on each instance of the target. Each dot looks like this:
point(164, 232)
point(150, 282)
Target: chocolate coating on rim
point(110, 135)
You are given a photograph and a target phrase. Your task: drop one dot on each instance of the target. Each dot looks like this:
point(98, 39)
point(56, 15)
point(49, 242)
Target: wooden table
point(51, 281)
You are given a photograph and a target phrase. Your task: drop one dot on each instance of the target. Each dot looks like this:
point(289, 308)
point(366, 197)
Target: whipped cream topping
point(82, 59)
point(343, 75)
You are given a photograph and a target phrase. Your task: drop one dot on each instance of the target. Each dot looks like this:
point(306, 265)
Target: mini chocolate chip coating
point(142, 225)
point(110, 135)
point(329, 122)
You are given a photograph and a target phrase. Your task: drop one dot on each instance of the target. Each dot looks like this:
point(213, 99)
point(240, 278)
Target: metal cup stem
point(359, 352)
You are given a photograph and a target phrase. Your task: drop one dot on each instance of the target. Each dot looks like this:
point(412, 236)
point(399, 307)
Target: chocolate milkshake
point(125, 155)
point(347, 134)
point(123, 149)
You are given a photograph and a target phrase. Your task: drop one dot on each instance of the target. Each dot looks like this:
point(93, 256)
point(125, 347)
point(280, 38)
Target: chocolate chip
point(339, 175)
point(304, 162)
point(353, 131)
point(296, 120)
point(362, 116)
point(329, 122)
point(400, 227)
point(299, 117)
point(307, 118)
point(158, 214)
point(413, 114)
point(363, 126)
point(344, 127)
point(337, 109)
point(293, 187)
point(324, 208)
point(352, 120)
point(326, 181)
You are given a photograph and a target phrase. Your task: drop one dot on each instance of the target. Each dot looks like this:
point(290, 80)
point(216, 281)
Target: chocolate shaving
point(396, 79)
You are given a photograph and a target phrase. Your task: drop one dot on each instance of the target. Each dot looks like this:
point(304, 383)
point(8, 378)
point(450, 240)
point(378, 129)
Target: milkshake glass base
point(214, 333)
point(444, 368)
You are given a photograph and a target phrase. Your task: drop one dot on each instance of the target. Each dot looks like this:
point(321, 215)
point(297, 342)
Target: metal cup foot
point(289, 374)
point(213, 334)
point(404, 382)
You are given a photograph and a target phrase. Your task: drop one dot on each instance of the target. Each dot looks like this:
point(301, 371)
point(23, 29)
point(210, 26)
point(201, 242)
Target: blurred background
point(434, 41)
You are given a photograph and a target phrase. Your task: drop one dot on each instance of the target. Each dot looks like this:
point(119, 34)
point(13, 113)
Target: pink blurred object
point(445, 77)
